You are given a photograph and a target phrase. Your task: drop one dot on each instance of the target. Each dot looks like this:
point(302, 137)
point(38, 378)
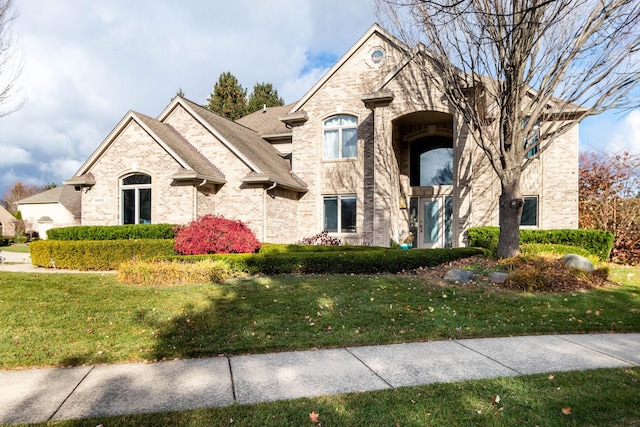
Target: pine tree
point(263, 94)
point(229, 98)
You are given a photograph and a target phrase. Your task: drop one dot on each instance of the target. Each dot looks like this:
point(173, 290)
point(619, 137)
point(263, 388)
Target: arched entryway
point(425, 143)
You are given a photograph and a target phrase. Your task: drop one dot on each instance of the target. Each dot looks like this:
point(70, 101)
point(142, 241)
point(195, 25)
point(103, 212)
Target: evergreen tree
point(229, 98)
point(263, 94)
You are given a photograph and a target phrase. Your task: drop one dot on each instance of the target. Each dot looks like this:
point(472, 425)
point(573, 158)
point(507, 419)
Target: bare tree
point(520, 73)
point(9, 65)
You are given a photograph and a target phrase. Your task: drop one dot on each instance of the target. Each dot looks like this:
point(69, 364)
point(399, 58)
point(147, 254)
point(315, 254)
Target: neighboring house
point(362, 155)
point(57, 207)
point(7, 223)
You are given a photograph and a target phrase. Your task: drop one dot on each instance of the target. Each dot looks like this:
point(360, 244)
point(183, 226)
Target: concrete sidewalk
point(39, 395)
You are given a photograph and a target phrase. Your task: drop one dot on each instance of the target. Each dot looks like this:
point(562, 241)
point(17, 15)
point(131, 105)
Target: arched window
point(432, 162)
point(135, 199)
point(340, 137)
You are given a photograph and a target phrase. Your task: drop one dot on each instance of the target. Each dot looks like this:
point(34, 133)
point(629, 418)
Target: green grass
point(75, 319)
point(604, 397)
point(17, 247)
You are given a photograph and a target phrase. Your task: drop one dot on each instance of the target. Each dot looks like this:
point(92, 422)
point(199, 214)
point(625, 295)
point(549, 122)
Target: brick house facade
point(369, 152)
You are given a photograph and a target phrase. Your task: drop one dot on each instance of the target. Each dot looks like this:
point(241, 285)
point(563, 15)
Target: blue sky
point(87, 63)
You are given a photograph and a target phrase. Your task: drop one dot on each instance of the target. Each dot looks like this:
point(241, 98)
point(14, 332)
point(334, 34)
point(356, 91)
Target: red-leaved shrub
point(215, 235)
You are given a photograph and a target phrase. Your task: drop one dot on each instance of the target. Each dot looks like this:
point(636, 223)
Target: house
point(7, 223)
point(56, 207)
point(362, 154)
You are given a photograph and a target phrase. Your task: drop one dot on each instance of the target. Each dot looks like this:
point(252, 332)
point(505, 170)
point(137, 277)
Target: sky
point(87, 63)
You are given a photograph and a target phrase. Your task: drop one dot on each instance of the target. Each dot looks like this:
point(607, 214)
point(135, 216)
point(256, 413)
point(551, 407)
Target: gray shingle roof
point(200, 166)
point(267, 122)
point(64, 194)
point(255, 150)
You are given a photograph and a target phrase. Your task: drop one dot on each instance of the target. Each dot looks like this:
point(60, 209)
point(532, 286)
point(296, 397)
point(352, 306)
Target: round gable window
point(377, 56)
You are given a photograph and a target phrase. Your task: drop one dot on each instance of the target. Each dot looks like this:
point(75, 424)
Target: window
point(340, 137)
point(136, 199)
point(532, 138)
point(340, 214)
point(530, 211)
point(431, 162)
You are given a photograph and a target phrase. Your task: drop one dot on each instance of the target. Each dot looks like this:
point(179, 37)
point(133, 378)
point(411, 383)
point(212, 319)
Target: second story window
point(340, 137)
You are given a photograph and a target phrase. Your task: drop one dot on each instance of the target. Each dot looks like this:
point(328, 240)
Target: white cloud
point(87, 63)
point(13, 156)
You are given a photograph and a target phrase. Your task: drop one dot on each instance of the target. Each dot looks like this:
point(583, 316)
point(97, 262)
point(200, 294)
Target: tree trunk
point(510, 211)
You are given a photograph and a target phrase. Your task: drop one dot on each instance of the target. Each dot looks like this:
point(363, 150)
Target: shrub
point(597, 242)
point(321, 239)
point(340, 262)
point(215, 235)
point(540, 274)
point(556, 251)
point(112, 232)
point(166, 273)
point(273, 248)
point(96, 254)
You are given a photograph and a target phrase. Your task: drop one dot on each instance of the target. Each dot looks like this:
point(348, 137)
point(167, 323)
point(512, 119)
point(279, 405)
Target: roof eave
point(268, 180)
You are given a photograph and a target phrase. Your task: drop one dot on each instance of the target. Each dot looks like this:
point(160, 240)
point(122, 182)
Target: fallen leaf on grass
point(566, 411)
point(551, 377)
point(496, 399)
point(314, 417)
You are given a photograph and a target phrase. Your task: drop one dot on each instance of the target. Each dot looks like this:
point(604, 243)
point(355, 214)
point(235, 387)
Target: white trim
point(375, 28)
point(178, 101)
point(131, 116)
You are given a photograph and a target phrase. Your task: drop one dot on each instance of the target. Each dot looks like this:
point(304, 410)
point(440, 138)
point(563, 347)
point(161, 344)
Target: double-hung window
point(340, 137)
point(135, 191)
point(530, 211)
point(340, 214)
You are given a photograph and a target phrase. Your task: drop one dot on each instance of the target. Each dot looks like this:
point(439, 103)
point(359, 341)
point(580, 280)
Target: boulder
point(577, 261)
point(497, 276)
point(458, 276)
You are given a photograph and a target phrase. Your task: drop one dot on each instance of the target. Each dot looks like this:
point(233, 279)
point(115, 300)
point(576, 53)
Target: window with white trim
point(135, 197)
point(530, 212)
point(340, 214)
point(340, 137)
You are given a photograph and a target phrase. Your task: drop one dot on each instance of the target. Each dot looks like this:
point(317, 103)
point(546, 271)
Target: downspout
point(195, 199)
point(264, 211)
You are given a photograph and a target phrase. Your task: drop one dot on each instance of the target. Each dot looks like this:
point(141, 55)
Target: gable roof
point(374, 29)
point(194, 161)
point(266, 122)
point(6, 217)
point(265, 162)
point(193, 165)
point(64, 194)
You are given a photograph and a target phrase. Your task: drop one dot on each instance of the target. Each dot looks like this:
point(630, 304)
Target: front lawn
point(74, 319)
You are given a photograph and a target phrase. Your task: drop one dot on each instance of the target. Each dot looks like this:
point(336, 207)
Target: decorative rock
point(577, 261)
point(458, 276)
point(497, 276)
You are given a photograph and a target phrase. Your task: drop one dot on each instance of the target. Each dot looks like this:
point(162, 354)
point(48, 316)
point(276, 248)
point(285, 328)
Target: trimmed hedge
point(278, 248)
point(97, 254)
point(338, 262)
point(112, 232)
point(597, 242)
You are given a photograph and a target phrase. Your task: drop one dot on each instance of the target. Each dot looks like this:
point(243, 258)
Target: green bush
point(597, 242)
point(5, 241)
point(339, 262)
point(557, 251)
point(96, 254)
point(112, 232)
point(273, 248)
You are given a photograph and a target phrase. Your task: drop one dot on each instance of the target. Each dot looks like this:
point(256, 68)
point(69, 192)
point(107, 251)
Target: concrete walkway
point(39, 395)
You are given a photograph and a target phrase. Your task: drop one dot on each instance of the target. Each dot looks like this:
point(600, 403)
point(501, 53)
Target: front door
point(434, 222)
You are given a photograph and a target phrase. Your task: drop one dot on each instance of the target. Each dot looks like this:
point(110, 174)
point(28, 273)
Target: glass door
point(434, 222)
